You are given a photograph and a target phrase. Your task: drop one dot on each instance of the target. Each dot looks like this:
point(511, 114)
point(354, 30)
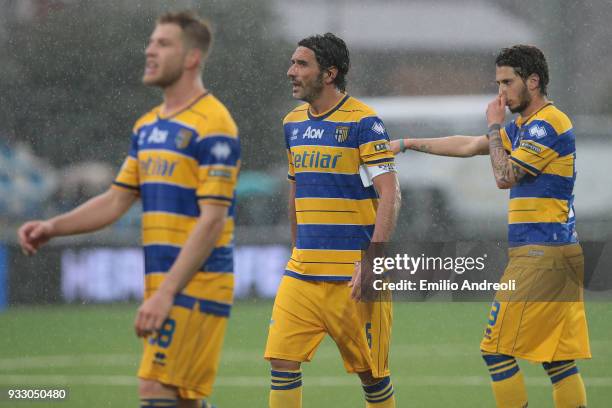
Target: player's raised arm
point(93, 215)
point(506, 173)
point(453, 146)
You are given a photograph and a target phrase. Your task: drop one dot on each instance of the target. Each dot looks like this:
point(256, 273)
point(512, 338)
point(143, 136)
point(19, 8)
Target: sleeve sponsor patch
point(531, 146)
point(220, 173)
point(381, 147)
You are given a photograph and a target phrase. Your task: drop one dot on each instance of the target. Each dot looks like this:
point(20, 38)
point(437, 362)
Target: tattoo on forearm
point(504, 170)
point(421, 148)
point(499, 158)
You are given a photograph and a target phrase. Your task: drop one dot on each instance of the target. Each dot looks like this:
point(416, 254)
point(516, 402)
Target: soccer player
point(183, 164)
point(533, 156)
point(334, 215)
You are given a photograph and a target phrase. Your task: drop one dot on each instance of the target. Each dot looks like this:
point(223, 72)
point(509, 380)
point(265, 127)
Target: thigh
point(185, 352)
point(361, 330)
point(533, 321)
point(296, 328)
point(516, 326)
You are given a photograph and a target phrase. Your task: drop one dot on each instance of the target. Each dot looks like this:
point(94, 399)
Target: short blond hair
point(196, 31)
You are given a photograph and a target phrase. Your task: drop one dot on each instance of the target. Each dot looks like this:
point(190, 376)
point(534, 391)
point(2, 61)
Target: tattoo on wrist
point(494, 135)
point(493, 129)
point(421, 148)
point(494, 126)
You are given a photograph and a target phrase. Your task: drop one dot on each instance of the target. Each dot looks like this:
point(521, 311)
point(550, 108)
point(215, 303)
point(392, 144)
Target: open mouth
point(151, 67)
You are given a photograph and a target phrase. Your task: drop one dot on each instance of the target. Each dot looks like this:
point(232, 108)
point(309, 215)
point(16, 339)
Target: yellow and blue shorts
point(185, 352)
point(305, 311)
point(543, 319)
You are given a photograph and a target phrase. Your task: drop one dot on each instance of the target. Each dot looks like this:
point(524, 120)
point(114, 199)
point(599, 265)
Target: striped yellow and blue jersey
point(541, 206)
point(174, 164)
point(335, 212)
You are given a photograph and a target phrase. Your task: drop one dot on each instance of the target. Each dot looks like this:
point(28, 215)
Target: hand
point(152, 313)
point(355, 283)
point(362, 282)
point(496, 111)
point(33, 234)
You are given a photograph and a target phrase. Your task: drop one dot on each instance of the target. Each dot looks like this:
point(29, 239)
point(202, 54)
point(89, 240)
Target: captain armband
point(368, 173)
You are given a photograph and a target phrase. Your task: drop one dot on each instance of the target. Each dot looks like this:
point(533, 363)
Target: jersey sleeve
point(219, 162)
point(374, 148)
point(291, 169)
point(505, 139)
point(542, 143)
point(128, 177)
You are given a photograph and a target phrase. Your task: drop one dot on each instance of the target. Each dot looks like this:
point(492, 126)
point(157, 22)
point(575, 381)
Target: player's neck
point(327, 100)
point(181, 94)
point(537, 103)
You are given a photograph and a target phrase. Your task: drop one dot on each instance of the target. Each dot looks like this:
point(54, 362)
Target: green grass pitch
point(434, 358)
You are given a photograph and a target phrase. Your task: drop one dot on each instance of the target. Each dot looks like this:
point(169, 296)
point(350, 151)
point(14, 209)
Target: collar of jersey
point(521, 122)
point(189, 106)
point(325, 115)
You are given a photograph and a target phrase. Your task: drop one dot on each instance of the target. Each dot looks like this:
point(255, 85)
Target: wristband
point(402, 145)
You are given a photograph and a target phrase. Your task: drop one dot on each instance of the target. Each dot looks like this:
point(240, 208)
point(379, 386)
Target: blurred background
point(70, 92)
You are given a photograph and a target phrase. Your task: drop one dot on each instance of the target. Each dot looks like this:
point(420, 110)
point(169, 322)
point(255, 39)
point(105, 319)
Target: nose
point(150, 49)
point(291, 71)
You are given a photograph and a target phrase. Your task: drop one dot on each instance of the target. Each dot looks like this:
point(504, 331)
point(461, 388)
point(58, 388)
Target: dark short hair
point(196, 31)
point(526, 60)
point(330, 51)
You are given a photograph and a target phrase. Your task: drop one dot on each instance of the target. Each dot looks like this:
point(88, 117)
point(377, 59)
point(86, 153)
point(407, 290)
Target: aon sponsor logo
point(158, 136)
point(315, 160)
point(311, 133)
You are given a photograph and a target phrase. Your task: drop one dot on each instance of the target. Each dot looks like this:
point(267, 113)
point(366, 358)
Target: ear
point(533, 82)
point(193, 58)
point(330, 75)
